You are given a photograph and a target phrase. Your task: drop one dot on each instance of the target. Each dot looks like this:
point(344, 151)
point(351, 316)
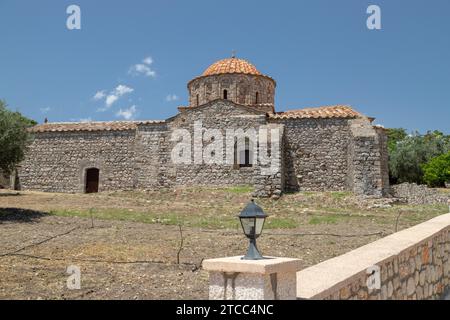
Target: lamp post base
point(252, 252)
point(232, 278)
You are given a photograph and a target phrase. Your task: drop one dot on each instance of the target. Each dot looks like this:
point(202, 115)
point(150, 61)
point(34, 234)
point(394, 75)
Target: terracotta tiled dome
point(231, 65)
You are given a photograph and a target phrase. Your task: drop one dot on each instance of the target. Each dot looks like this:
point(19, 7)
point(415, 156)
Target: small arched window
point(257, 98)
point(225, 94)
point(243, 157)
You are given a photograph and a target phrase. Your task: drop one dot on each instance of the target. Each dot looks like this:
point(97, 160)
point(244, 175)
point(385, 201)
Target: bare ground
point(129, 248)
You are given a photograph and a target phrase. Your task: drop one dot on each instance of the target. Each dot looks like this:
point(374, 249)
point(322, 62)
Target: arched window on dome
point(257, 98)
point(225, 94)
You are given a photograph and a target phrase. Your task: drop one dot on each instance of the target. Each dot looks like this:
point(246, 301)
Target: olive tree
point(406, 160)
point(14, 137)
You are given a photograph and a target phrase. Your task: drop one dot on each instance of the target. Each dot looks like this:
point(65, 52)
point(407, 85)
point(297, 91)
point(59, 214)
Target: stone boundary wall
point(419, 194)
point(413, 264)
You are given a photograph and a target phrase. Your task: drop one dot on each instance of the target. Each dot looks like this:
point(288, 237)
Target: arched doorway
point(92, 180)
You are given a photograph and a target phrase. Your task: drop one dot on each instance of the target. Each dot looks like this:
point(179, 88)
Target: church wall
point(384, 160)
point(152, 156)
point(57, 161)
point(368, 159)
point(335, 155)
point(315, 156)
point(220, 115)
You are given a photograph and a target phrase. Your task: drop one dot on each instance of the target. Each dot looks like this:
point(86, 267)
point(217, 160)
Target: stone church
point(323, 148)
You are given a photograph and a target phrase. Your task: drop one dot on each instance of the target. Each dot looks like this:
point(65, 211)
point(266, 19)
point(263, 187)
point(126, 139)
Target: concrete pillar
point(272, 278)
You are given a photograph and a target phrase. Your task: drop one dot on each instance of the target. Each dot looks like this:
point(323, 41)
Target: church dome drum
point(233, 79)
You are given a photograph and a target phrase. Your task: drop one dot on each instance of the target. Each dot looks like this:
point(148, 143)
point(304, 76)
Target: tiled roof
point(90, 126)
point(181, 108)
point(337, 111)
point(231, 65)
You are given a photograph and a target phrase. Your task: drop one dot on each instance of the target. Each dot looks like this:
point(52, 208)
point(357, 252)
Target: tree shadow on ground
point(20, 215)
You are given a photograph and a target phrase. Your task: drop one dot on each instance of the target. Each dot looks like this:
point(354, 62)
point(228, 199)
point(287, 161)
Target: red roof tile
point(231, 65)
point(337, 111)
point(90, 126)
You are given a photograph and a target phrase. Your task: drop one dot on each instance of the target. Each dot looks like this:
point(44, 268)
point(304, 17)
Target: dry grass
point(131, 252)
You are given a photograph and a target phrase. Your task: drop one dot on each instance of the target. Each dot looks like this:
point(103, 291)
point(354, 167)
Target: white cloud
point(122, 89)
point(171, 97)
point(111, 99)
point(99, 95)
point(143, 68)
point(140, 68)
point(114, 95)
point(148, 60)
point(45, 110)
point(127, 114)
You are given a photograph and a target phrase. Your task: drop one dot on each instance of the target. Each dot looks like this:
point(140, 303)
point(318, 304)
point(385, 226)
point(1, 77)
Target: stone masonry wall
point(152, 159)
point(412, 264)
point(221, 115)
point(335, 154)
point(419, 194)
point(141, 158)
point(315, 154)
point(367, 159)
point(241, 89)
point(384, 160)
point(57, 161)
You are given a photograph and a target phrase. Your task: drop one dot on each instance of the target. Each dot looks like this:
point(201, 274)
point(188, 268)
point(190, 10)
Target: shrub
point(437, 171)
point(406, 160)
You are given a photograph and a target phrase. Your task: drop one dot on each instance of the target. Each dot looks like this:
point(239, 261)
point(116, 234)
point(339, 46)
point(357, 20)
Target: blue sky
point(320, 53)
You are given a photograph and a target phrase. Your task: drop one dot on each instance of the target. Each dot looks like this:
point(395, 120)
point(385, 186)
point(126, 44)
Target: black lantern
point(252, 221)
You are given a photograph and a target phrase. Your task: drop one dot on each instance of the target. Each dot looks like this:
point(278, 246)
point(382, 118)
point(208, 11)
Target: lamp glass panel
point(259, 225)
point(248, 225)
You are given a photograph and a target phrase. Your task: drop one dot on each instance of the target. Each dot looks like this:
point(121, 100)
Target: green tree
point(395, 135)
point(410, 154)
point(437, 170)
point(14, 137)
